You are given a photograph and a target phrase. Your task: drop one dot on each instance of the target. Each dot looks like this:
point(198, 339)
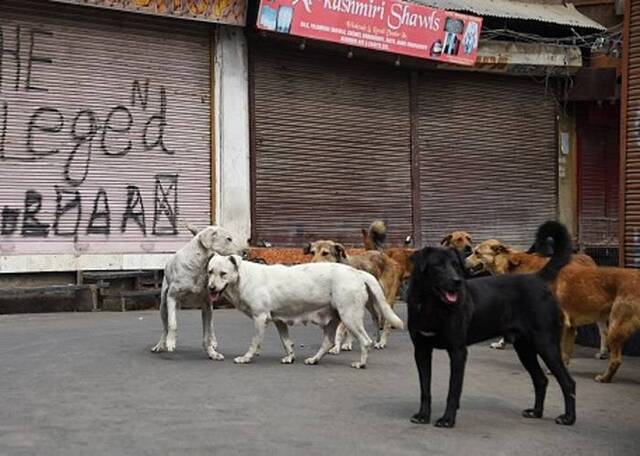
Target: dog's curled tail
point(562, 248)
point(379, 302)
point(377, 234)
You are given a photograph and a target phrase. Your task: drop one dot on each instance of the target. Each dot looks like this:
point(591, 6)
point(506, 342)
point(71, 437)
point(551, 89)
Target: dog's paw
point(420, 418)
point(445, 422)
point(532, 413)
point(380, 345)
point(347, 347)
point(311, 361)
point(601, 378)
point(214, 355)
point(170, 344)
point(566, 420)
point(159, 347)
point(242, 360)
point(335, 350)
point(289, 359)
point(602, 355)
point(358, 365)
point(497, 345)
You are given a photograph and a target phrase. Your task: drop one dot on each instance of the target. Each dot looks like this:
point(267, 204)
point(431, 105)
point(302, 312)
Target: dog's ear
point(469, 238)
point(419, 259)
point(514, 263)
point(446, 240)
point(306, 248)
point(500, 248)
point(209, 259)
point(207, 237)
point(340, 252)
point(235, 260)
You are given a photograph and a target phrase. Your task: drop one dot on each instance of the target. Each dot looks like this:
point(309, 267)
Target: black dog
point(447, 312)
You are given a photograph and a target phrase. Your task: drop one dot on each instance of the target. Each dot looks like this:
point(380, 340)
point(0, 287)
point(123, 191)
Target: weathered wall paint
point(232, 131)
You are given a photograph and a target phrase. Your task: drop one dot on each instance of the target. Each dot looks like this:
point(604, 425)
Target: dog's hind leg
point(209, 342)
point(529, 359)
point(287, 343)
point(356, 328)
point(329, 338)
point(549, 351)
point(568, 342)
point(603, 330)
point(622, 324)
point(162, 344)
point(342, 334)
point(260, 323)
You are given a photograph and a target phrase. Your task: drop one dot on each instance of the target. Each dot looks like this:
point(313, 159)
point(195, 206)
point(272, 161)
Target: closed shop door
point(104, 130)
point(632, 163)
point(598, 164)
point(331, 146)
point(487, 156)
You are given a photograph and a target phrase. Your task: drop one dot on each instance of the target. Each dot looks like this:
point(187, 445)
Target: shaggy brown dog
point(586, 293)
point(375, 263)
point(374, 237)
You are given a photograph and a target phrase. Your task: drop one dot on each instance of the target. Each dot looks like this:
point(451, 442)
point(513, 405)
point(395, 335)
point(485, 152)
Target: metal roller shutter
point(487, 156)
point(331, 147)
point(104, 130)
point(598, 164)
point(632, 162)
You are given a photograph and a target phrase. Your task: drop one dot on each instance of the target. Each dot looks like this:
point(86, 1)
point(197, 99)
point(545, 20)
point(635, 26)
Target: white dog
point(323, 293)
point(185, 280)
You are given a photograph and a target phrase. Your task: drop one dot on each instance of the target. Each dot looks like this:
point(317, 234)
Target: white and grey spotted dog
point(185, 280)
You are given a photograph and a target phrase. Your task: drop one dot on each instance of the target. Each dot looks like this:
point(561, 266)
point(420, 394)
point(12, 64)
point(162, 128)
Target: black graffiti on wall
point(69, 204)
point(79, 136)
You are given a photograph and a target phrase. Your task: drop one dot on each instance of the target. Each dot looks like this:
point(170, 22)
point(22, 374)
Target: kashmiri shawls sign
point(385, 25)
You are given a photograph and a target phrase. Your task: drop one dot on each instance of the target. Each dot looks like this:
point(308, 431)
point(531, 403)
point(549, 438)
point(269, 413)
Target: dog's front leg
point(458, 359)
point(260, 323)
point(209, 342)
point(287, 343)
point(422, 355)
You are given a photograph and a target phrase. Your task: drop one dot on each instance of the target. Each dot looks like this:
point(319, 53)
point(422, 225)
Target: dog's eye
point(229, 239)
point(325, 253)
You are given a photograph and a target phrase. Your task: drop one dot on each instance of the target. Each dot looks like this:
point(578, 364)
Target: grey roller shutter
point(331, 146)
point(105, 130)
point(487, 156)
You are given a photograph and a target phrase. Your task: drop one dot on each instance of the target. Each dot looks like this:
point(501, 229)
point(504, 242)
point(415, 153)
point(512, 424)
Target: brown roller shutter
point(331, 146)
point(632, 137)
point(598, 162)
point(487, 156)
point(104, 130)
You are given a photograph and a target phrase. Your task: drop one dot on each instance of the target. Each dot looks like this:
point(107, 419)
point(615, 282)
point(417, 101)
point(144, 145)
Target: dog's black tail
point(562, 248)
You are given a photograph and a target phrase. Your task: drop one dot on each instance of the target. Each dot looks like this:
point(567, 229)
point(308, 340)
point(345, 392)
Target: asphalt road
point(87, 384)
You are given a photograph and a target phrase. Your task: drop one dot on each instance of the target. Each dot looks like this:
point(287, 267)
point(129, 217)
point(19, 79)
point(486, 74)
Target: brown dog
point(587, 294)
point(459, 240)
point(375, 263)
point(374, 237)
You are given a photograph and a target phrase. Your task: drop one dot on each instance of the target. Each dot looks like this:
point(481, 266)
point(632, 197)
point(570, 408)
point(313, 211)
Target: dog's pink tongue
point(214, 296)
point(451, 296)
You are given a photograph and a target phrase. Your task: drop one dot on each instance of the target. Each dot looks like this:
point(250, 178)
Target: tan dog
point(587, 294)
point(374, 237)
point(459, 240)
point(377, 264)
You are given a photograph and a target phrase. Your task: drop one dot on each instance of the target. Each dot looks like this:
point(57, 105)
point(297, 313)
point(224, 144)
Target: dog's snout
point(212, 288)
point(467, 250)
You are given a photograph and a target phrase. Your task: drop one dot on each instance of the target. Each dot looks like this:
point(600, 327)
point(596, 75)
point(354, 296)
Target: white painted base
point(67, 263)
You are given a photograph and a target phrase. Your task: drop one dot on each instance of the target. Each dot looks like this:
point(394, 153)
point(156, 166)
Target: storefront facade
point(107, 140)
point(339, 142)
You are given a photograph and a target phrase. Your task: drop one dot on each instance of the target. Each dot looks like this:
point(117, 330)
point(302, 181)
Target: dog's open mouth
point(214, 296)
point(450, 297)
